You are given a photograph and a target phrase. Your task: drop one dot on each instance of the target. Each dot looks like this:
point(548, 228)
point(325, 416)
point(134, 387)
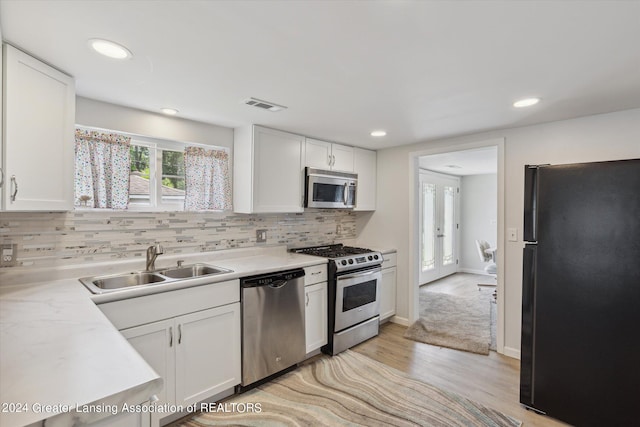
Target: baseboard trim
point(400, 320)
point(512, 352)
point(472, 271)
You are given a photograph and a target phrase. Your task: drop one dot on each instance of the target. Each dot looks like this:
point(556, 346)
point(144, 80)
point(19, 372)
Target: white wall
point(90, 112)
point(601, 137)
point(478, 218)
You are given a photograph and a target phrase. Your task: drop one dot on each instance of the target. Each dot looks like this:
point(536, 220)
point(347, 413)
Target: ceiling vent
point(265, 105)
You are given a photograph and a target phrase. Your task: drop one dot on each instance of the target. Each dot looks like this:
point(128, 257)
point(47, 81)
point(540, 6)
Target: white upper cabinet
point(268, 170)
point(365, 165)
point(328, 156)
point(39, 115)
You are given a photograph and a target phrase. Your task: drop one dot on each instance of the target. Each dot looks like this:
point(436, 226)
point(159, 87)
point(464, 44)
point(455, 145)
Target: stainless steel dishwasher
point(273, 331)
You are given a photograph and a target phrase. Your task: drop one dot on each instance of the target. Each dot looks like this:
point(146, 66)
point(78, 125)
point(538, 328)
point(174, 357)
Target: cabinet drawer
point(389, 260)
point(151, 308)
point(315, 274)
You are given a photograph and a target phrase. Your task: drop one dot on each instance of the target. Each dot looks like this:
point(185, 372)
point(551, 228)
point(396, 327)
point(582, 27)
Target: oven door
point(357, 297)
point(330, 191)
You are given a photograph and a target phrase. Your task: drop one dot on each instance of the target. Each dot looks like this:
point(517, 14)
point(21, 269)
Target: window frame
point(156, 147)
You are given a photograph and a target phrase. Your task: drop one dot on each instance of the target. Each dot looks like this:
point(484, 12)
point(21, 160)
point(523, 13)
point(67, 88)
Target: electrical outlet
point(512, 234)
point(8, 254)
point(261, 236)
point(339, 229)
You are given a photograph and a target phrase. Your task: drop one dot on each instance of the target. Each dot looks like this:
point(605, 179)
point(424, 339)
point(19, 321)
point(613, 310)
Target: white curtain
point(102, 170)
point(207, 179)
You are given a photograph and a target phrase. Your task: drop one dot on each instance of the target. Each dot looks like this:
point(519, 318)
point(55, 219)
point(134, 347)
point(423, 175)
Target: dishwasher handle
point(278, 284)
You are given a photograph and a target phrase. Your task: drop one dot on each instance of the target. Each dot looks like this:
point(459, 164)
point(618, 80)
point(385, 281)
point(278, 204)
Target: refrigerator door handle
point(527, 342)
point(530, 203)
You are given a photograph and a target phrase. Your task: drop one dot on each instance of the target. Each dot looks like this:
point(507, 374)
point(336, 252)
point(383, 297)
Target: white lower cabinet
point(126, 419)
point(190, 337)
point(388, 289)
point(388, 293)
point(315, 316)
point(197, 354)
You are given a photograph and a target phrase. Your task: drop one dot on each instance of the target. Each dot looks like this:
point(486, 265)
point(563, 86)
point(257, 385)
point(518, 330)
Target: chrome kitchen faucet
point(152, 254)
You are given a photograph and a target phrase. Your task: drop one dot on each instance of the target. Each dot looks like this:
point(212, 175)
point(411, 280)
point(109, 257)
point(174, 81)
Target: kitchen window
point(157, 176)
point(156, 172)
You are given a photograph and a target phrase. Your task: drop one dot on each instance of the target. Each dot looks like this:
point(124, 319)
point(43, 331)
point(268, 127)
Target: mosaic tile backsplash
point(65, 238)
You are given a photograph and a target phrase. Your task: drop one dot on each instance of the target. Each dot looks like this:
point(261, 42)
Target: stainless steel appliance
point(581, 292)
point(330, 189)
point(354, 280)
point(273, 329)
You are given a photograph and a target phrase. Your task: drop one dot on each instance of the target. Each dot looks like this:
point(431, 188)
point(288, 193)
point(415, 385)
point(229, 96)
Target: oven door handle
point(361, 274)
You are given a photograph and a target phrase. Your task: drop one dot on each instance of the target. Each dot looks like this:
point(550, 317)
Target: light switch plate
point(261, 236)
point(512, 234)
point(8, 254)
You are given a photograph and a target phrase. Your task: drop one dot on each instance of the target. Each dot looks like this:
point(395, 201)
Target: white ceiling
point(418, 69)
point(477, 161)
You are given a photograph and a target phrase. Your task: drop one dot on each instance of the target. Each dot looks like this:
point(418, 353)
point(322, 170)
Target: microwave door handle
point(345, 193)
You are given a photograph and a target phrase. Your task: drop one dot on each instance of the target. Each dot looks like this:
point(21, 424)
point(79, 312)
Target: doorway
point(466, 166)
point(439, 225)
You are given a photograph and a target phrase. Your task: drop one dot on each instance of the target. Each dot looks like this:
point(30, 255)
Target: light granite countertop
point(57, 347)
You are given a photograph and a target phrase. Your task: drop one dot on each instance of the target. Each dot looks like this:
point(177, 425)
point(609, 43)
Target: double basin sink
point(115, 282)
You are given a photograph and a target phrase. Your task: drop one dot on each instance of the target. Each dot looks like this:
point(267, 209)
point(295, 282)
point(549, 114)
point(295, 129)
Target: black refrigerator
point(580, 348)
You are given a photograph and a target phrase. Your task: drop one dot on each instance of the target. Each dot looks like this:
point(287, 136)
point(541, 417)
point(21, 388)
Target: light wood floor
point(491, 380)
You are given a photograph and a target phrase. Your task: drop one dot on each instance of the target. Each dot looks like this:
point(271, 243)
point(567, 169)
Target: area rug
point(459, 322)
point(349, 390)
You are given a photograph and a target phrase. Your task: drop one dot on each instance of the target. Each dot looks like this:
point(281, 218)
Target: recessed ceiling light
point(110, 49)
point(169, 111)
point(527, 102)
point(378, 133)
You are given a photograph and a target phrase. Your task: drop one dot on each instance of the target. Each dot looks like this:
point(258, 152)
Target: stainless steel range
point(354, 282)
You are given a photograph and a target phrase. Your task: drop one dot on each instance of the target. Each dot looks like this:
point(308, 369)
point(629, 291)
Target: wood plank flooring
point(491, 380)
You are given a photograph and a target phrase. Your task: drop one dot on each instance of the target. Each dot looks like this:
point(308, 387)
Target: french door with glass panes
point(439, 225)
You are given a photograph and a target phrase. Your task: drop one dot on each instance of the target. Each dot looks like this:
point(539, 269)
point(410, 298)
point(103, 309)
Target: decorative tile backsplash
point(64, 238)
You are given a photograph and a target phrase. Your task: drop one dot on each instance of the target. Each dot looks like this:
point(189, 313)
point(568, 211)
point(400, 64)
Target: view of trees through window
point(165, 165)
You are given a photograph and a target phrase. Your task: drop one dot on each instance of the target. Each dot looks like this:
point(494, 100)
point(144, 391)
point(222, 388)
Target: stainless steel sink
point(195, 270)
point(116, 282)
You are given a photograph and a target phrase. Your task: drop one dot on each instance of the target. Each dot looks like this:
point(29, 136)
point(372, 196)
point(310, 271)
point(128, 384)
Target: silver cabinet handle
point(1, 177)
point(329, 160)
point(14, 184)
point(179, 334)
point(317, 272)
point(170, 336)
point(439, 235)
point(334, 160)
point(307, 303)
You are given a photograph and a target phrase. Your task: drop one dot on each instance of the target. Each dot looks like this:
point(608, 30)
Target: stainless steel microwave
point(329, 189)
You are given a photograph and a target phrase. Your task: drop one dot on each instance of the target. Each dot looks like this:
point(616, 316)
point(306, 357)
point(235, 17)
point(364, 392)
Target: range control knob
point(376, 256)
point(350, 260)
point(343, 262)
point(370, 257)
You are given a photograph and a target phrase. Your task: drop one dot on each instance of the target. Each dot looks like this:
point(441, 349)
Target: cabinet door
point(365, 165)
point(278, 171)
point(388, 293)
point(155, 342)
point(207, 353)
point(318, 154)
point(315, 316)
point(342, 158)
point(125, 419)
point(38, 134)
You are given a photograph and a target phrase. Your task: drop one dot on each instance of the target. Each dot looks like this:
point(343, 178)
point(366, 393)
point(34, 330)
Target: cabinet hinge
point(458, 188)
point(457, 226)
point(456, 262)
